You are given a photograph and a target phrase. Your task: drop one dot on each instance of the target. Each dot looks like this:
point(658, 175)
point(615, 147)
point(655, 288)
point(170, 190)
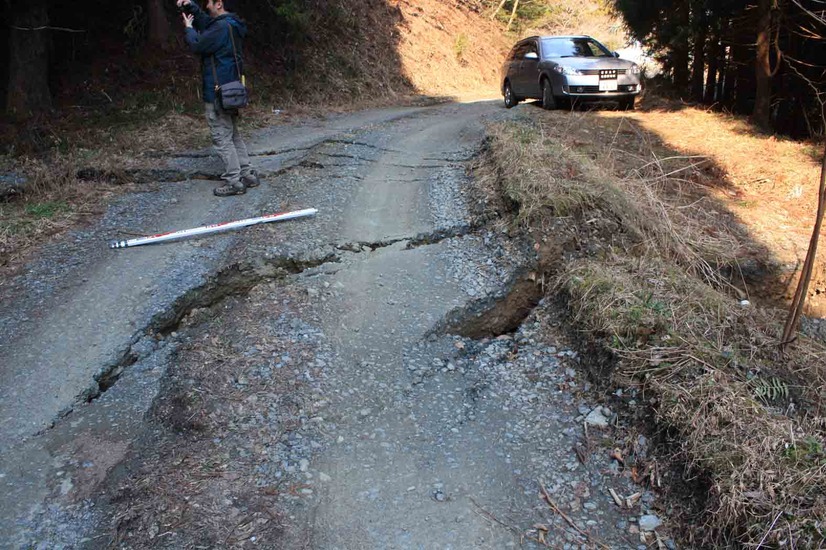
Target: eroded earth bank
point(384, 375)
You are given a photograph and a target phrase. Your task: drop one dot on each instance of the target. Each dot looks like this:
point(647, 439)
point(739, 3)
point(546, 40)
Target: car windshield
point(573, 47)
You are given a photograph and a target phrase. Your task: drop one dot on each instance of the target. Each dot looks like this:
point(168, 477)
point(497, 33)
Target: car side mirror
point(616, 54)
point(531, 55)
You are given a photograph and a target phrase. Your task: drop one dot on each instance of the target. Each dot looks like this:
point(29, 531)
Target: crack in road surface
point(240, 279)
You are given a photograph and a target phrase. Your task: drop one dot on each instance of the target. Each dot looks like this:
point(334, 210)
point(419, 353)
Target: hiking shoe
point(229, 189)
point(251, 180)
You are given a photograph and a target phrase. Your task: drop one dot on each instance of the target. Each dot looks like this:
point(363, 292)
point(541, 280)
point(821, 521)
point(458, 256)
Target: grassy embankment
point(650, 273)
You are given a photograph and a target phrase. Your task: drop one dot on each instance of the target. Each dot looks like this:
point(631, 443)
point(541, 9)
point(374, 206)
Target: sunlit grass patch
point(46, 209)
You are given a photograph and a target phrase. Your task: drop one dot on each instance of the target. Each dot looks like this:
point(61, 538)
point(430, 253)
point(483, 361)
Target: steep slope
point(448, 48)
point(384, 48)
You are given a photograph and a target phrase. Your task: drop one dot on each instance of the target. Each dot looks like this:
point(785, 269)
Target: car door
point(515, 71)
point(511, 67)
point(529, 70)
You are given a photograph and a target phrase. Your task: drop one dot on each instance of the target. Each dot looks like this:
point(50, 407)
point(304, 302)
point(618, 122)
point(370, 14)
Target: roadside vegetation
point(651, 272)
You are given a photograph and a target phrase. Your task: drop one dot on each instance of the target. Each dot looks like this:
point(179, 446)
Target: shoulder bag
point(232, 95)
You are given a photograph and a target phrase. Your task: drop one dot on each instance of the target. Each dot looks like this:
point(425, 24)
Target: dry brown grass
point(769, 183)
point(56, 199)
point(648, 205)
point(654, 290)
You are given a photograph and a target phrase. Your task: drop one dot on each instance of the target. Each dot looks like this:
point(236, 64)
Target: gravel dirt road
point(292, 385)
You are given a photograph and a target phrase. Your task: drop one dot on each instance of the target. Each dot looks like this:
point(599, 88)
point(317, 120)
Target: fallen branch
point(568, 520)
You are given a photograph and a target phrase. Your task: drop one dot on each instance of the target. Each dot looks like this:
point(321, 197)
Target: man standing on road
point(208, 34)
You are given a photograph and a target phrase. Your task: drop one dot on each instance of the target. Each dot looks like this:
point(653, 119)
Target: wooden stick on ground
point(570, 522)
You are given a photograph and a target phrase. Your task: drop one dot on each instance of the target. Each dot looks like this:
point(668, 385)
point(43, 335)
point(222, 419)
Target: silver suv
point(558, 69)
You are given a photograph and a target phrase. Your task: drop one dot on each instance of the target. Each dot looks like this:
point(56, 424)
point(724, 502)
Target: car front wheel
point(548, 99)
point(510, 99)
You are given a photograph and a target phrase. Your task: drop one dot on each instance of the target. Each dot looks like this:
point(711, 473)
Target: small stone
point(596, 418)
point(439, 496)
point(649, 522)
point(324, 478)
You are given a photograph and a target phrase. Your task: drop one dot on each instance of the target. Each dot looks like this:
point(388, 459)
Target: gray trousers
point(228, 143)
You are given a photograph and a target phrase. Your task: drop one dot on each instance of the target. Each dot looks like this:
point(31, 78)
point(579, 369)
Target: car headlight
point(635, 69)
point(562, 69)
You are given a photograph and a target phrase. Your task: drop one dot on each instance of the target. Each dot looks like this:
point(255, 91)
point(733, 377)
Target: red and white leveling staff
point(206, 229)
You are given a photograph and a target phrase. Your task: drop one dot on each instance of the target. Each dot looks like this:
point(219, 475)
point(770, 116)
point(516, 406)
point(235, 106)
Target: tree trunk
point(763, 71)
point(742, 61)
point(722, 72)
point(158, 23)
point(698, 64)
point(728, 69)
point(28, 85)
point(680, 67)
point(513, 14)
point(680, 49)
point(713, 67)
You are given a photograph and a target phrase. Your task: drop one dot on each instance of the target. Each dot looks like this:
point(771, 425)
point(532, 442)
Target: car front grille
point(596, 71)
point(596, 90)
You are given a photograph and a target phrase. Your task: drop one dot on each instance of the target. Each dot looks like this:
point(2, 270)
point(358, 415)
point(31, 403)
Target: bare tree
point(499, 7)
point(28, 84)
point(158, 23)
point(763, 69)
point(513, 14)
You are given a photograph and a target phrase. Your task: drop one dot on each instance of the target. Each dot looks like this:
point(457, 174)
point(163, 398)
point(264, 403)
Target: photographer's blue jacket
point(210, 37)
